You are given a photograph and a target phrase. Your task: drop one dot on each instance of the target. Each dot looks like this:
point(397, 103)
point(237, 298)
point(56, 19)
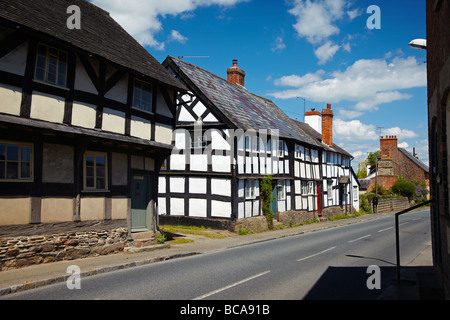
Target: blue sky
point(320, 50)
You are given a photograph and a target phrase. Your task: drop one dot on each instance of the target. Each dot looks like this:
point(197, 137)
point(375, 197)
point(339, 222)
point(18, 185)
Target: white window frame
point(281, 190)
point(330, 189)
point(250, 189)
point(298, 151)
point(280, 149)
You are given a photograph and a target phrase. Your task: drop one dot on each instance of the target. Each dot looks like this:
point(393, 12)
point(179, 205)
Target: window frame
point(95, 154)
point(330, 193)
point(46, 69)
point(19, 162)
point(250, 189)
point(281, 184)
point(140, 87)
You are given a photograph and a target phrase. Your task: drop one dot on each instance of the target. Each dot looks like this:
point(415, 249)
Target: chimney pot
point(235, 75)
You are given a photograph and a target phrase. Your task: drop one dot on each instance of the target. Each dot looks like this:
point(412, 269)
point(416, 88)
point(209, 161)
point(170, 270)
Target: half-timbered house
point(338, 183)
point(86, 118)
point(227, 140)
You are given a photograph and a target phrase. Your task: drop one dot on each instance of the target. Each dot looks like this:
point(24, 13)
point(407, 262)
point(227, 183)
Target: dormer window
point(51, 65)
point(142, 95)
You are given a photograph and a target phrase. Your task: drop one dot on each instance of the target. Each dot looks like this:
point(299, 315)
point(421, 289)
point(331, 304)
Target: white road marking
point(231, 285)
point(366, 236)
point(316, 254)
point(385, 229)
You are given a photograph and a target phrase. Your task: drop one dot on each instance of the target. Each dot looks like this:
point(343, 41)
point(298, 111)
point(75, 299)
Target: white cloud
point(142, 18)
point(177, 36)
point(279, 45)
point(355, 130)
point(367, 83)
point(326, 52)
point(297, 81)
point(317, 22)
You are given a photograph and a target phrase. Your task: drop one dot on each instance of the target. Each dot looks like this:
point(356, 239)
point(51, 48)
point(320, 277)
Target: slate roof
point(99, 35)
point(419, 163)
point(245, 110)
point(318, 136)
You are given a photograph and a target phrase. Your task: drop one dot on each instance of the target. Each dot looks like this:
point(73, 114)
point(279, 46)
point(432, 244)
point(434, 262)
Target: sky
point(304, 54)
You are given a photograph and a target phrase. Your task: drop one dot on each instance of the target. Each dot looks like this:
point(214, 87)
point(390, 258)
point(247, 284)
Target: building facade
point(228, 139)
point(438, 73)
point(86, 118)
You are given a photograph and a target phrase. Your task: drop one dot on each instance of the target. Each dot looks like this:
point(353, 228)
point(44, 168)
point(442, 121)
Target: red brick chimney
point(327, 125)
point(235, 75)
point(388, 147)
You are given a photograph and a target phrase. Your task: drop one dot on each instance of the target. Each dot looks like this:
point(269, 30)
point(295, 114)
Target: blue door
point(140, 204)
point(274, 202)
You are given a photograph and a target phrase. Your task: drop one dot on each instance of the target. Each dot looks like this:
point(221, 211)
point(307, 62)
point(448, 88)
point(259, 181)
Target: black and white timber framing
point(228, 139)
point(86, 118)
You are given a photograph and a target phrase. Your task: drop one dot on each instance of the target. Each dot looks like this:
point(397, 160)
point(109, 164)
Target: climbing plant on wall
point(266, 197)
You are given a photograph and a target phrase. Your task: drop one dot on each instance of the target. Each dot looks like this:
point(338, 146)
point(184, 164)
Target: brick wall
point(438, 71)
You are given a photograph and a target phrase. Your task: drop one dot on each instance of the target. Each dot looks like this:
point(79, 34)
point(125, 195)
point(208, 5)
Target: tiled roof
point(99, 35)
point(245, 110)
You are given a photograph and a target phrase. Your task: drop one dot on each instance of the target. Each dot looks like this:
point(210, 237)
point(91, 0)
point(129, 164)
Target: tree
point(362, 173)
point(372, 158)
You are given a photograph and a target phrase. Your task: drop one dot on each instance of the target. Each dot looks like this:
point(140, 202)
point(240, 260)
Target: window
point(51, 65)
point(307, 155)
point(247, 142)
point(355, 194)
point(250, 189)
point(298, 151)
point(281, 190)
point(307, 187)
point(330, 189)
point(95, 171)
point(16, 161)
point(280, 152)
point(142, 95)
point(269, 146)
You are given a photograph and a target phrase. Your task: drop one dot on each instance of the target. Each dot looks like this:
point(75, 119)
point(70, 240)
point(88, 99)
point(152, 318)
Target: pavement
point(409, 288)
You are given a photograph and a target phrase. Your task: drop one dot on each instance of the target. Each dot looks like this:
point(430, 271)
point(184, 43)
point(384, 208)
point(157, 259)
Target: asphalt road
point(327, 264)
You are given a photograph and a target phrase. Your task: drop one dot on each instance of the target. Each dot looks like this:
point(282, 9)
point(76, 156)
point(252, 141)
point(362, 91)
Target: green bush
point(404, 188)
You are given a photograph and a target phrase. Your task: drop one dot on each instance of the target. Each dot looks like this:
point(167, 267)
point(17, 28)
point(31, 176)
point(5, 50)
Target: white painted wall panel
point(84, 115)
point(197, 185)
point(11, 99)
point(220, 209)
point(176, 207)
point(197, 208)
point(221, 187)
point(177, 184)
point(47, 107)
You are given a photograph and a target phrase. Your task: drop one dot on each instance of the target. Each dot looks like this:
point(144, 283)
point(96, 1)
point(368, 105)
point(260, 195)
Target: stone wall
point(392, 205)
point(22, 251)
point(295, 218)
point(253, 224)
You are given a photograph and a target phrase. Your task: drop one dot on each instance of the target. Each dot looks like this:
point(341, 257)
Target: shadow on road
point(350, 283)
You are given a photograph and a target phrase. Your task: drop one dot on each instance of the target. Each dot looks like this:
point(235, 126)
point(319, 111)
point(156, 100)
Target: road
point(327, 264)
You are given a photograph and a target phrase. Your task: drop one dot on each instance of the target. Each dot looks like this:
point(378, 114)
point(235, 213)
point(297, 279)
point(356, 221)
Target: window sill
point(95, 191)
